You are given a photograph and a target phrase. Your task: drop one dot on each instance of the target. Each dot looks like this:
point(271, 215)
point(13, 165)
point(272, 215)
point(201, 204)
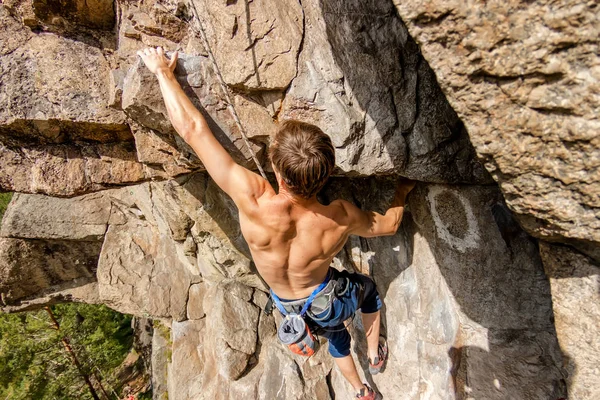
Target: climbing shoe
point(376, 365)
point(366, 393)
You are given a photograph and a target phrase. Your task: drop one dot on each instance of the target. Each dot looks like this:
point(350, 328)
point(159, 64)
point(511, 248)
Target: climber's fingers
point(155, 59)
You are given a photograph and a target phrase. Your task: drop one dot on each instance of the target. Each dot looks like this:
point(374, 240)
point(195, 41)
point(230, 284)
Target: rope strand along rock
point(236, 118)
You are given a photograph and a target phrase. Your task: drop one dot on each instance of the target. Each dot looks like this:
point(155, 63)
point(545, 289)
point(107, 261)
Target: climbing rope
point(224, 87)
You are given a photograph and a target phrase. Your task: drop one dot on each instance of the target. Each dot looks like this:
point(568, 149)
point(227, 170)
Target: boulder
point(255, 43)
point(186, 363)
point(468, 310)
point(15, 34)
point(140, 272)
point(142, 101)
point(30, 268)
point(37, 216)
point(70, 170)
point(574, 281)
point(362, 79)
point(161, 357)
point(525, 81)
point(65, 15)
point(56, 92)
point(467, 306)
point(58, 134)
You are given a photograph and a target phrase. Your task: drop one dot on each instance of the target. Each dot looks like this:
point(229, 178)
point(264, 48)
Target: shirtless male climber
point(292, 237)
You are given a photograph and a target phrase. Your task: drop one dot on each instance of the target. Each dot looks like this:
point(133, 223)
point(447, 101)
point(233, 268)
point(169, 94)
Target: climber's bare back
point(293, 244)
point(292, 241)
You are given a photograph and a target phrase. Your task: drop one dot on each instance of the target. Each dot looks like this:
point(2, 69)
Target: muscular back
point(293, 244)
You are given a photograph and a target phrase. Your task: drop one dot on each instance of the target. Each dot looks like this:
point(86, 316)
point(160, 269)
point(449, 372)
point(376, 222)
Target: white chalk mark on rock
point(471, 237)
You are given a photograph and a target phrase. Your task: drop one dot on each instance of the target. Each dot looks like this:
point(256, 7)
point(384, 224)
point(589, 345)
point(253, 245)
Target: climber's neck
point(296, 200)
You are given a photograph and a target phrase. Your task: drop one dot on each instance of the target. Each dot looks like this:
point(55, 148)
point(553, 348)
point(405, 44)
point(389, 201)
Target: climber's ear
point(173, 61)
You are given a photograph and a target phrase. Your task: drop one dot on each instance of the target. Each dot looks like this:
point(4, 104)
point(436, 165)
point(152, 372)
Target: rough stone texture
point(575, 285)
point(42, 217)
point(64, 16)
point(468, 309)
point(233, 354)
point(140, 272)
point(195, 305)
point(65, 170)
point(524, 77)
point(467, 305)
point(255, 43)
point(185, 365)
point(143, 102)
point(161, 356)
point(98, 14)
point(57, 133)
point(14, 35)
point(55, 90)
point(362, 79)
point(78, 290)
point(28, 268)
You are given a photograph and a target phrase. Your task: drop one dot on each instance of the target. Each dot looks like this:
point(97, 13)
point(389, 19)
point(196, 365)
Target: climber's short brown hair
point(304, 156)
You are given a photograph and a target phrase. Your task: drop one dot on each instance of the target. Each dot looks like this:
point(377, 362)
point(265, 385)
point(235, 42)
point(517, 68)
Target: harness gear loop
point(232, 110)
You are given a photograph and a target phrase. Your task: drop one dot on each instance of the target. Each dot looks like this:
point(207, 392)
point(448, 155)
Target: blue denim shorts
point(342, 308)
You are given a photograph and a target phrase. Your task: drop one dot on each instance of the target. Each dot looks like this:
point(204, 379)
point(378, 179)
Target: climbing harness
point(320, 306)
point(293, 331)
point(230, 106)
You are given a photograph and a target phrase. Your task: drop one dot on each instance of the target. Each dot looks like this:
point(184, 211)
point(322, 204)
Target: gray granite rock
point(575, 284)
point(468, 309)
point(525, 81)
point(162, 354)
point(32, 268)
point(255, 43)
point(34, 216)
point(143, 102)
point(362, 79)
point(467, 306)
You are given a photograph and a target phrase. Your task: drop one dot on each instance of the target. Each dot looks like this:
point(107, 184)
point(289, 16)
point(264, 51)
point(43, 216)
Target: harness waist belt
point(319, 304)
point(301, 306)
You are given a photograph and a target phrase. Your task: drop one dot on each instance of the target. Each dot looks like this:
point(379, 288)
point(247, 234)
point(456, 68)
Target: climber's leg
point(348, 369)
point(371, 316)
point(371, 322)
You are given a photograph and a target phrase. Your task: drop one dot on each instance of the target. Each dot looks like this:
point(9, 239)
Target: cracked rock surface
point(114, 208)
point(524, 78)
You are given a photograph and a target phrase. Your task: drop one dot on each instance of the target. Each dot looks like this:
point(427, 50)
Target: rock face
point(264, 36)
point(525, 80)
point(468, 310)
point(474, 306)
point(362, 79)
point(575, 280)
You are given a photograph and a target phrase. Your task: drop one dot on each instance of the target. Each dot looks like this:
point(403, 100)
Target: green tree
point(35, 365)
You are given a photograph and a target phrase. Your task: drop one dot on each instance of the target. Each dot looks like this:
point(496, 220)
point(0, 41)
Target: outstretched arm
point(371, 223)
point(238, 182)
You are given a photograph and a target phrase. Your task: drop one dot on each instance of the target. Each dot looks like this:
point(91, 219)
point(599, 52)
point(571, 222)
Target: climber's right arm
point(238, 182)
point(371, 223)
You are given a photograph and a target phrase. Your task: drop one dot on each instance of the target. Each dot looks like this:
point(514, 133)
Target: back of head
point(304, 157)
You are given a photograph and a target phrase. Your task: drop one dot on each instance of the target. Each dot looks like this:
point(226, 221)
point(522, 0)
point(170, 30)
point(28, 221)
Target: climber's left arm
point(238, 182)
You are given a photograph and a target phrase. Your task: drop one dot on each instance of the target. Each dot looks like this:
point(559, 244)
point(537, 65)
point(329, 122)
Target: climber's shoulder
point(252, 192)
point(342, 211)
point(348, 214)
